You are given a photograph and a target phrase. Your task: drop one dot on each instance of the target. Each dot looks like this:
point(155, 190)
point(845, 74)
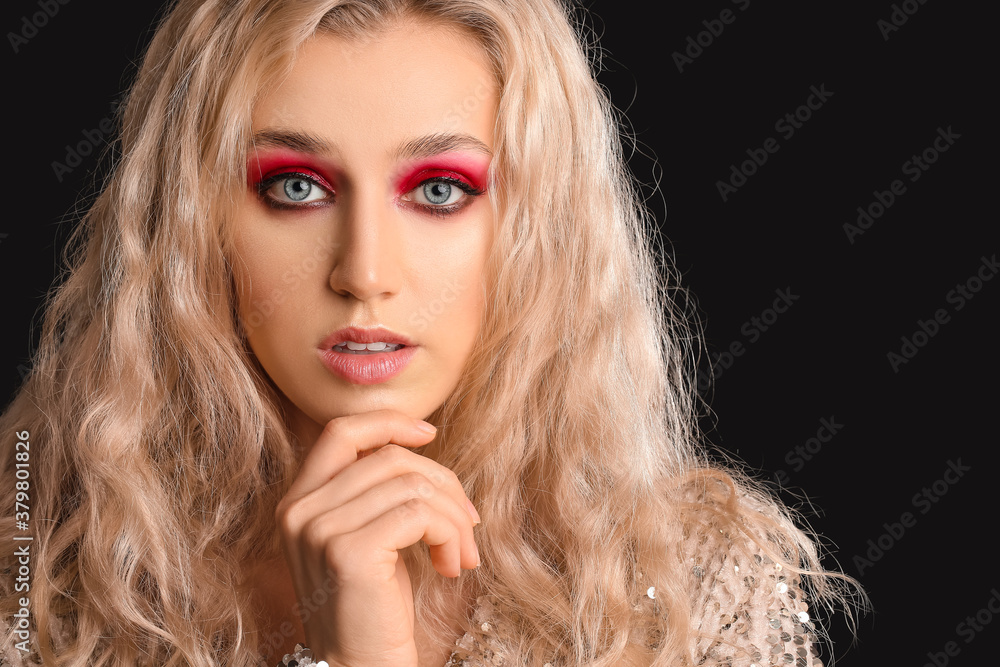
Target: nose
point(368, 260)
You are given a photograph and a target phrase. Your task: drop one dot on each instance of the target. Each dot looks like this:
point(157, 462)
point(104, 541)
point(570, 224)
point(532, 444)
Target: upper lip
point(364, 335)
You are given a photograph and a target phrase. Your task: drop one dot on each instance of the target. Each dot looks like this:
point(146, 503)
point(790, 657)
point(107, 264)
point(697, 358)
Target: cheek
point(252, 288)
point(248, 272)
point(446, 302)
point(458, 291)
point(259, 276)
point(275, 265)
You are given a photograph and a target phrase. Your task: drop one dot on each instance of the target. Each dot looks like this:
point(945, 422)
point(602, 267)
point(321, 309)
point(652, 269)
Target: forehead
point(414, 78)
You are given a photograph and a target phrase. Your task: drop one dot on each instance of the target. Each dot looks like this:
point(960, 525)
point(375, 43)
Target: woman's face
point(367, 207)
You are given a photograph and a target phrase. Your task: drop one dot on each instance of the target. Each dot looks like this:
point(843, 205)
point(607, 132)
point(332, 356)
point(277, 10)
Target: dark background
point(783, 229)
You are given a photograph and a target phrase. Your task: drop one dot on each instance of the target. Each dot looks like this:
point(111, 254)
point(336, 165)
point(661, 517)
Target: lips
point(364, 335)
point(371, 368)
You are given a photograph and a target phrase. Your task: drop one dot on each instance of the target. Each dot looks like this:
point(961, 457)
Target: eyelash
point(266, 184)
point(439, 211)
point(443, 211)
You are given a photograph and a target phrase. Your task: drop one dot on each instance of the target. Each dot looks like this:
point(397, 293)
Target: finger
point(389, 462)
point(370, 553)
point(385, 498)
point(343, 438)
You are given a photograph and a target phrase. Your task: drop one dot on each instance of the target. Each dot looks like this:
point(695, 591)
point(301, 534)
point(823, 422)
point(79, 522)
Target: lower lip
point(367, 368)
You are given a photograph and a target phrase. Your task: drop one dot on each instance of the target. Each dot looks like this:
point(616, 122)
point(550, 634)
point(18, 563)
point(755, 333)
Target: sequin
point(748, 610)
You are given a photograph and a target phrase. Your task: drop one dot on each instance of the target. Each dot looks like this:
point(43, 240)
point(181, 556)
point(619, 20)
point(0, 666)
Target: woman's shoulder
point(745, 600)
point(746, 607)
point(745, 613)
point(742, 575)
point(747, 569)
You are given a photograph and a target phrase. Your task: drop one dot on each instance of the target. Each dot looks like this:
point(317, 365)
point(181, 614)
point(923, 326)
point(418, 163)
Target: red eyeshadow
point(464, 168)
point(268, 163)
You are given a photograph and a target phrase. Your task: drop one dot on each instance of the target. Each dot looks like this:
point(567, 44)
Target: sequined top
point(749, 612)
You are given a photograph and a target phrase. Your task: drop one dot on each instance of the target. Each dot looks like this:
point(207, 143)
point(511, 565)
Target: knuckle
point(451, 478)
point(415, 509)
point(438, 477)
point(316, 533)
point(443, 476)
point(419, 485)
point(288, 517)
point(393, 454)
point(335, 428)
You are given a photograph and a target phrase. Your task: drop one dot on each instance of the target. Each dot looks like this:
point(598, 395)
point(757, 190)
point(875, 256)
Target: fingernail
point(472, 512)
point(425, 427)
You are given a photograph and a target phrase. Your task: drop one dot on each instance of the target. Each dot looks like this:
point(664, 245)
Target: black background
point(826, 357)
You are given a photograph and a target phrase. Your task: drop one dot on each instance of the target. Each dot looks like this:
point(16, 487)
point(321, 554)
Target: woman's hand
point(345, 518)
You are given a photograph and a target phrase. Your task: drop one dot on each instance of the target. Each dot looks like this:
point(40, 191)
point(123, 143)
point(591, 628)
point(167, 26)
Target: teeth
point(372, 347)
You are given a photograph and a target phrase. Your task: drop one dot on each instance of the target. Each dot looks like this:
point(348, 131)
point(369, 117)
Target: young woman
point(365, 347)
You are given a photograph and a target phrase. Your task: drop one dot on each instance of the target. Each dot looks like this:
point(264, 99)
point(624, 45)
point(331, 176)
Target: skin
point(366, 254)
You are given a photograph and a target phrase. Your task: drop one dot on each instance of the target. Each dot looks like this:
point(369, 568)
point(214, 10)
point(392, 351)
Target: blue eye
point(442, 196)
point(297, 189)
point(291, 190)
point(438, 192)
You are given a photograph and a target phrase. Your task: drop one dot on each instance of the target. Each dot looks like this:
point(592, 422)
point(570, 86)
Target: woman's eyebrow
point(299, 141)
point(435, 144)
point(421, 147)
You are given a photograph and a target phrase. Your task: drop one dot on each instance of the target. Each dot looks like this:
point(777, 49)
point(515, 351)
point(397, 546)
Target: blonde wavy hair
point(158, 448)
